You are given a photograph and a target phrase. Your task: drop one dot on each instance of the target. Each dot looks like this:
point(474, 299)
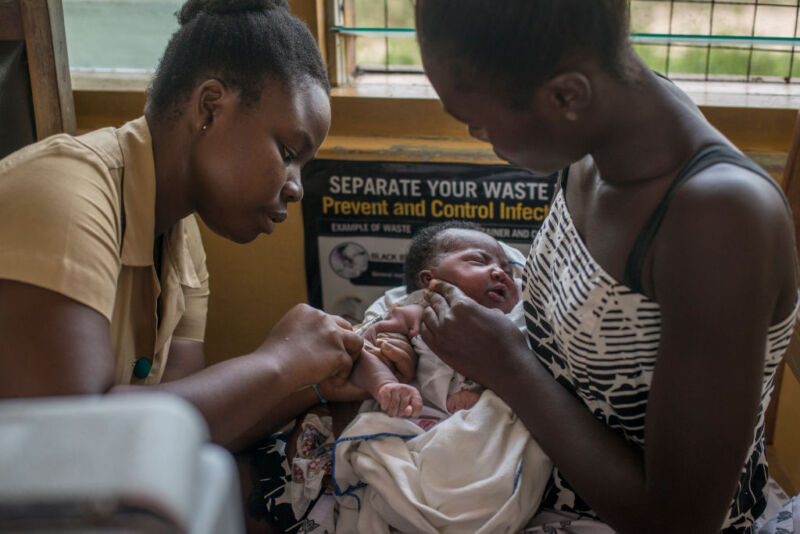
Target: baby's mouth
point(499, 293)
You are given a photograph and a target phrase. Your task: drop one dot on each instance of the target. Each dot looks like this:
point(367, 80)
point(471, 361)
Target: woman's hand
point(396, 352)
point(476, 341)
point(313, 347)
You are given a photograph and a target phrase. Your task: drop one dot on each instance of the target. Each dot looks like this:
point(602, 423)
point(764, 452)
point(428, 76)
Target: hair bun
point(192, 8)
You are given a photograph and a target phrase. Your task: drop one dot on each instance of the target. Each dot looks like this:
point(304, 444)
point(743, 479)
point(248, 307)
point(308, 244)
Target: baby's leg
point(462, 400)
point(398, 399)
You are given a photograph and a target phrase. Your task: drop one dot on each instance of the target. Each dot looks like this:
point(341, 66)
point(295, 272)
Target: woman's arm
point(54, 345)
point(723, 270)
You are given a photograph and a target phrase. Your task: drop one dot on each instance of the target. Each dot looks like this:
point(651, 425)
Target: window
point(394, 51)
point(726, 40)
point(718, 39)
point(118, 35)
point(374, 36)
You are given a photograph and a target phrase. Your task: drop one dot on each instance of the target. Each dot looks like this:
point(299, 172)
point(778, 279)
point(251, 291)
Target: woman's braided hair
point(243, 43)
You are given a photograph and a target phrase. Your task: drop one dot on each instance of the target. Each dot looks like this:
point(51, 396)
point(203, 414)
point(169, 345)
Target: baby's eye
point(288, 155)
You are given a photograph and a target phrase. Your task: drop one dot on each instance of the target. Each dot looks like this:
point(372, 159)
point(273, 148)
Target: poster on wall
point(359, 217)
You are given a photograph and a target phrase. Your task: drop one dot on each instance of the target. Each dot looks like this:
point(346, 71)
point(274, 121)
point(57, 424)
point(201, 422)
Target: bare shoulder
point(727, 194)
point(731, 229)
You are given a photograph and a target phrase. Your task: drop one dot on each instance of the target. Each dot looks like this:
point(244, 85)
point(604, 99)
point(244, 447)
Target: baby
point(458, 253)
point(377, 477)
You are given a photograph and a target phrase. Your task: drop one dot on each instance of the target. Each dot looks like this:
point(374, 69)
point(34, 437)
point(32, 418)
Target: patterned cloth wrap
point(312, 462)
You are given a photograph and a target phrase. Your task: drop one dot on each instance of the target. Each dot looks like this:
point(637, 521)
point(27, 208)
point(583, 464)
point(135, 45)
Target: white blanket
point(477, 472)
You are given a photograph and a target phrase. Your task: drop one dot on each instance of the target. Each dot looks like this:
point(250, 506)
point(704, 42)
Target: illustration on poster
point(349, 260)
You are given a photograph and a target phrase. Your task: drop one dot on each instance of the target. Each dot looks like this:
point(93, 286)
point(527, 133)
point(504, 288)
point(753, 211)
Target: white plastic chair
point(116, 463)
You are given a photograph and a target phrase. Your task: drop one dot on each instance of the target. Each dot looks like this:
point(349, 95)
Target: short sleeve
point(59, 223)
point(192, 325)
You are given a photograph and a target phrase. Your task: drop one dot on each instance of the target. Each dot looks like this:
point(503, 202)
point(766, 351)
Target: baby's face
point(476, 263)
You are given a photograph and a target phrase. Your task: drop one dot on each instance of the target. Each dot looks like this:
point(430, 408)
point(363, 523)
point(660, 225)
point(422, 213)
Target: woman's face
point(527, 138)
point(246, 167)
point(476, 263)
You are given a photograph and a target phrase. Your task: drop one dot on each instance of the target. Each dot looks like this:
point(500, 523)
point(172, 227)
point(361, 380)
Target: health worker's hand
point(334, 390)
point(478, 342)
point(312, 347)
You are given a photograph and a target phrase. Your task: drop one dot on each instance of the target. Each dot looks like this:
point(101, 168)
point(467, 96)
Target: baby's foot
point(400, 400)
point(462, 400)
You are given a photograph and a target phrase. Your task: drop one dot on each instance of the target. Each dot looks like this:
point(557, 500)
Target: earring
point(571, 116)
point(205, 127)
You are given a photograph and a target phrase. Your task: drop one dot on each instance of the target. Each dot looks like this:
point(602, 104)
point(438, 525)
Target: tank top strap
point(703, 159)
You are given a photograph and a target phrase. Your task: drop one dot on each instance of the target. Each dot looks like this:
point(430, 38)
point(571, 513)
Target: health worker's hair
point(245, 44)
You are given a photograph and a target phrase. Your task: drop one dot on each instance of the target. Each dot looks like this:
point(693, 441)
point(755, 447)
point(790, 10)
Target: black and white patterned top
point(599, 339)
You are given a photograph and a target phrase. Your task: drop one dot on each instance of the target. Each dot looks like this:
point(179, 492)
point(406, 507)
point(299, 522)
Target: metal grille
point(728, 40)
point(382, 51)
point(718, 39)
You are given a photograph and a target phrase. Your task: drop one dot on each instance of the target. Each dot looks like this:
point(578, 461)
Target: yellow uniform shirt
point(77, 217)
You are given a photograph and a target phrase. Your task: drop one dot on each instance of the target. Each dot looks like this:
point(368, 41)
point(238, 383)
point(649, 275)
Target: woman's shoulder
point(59, 170)
point(730, 219)
point(732, 190)
point(61, 149)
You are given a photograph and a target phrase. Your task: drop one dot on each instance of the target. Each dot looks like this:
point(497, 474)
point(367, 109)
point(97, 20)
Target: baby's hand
point(462, 400)
point(400, 400)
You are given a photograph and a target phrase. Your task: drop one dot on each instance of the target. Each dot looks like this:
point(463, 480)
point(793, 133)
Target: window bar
point(669, 48)
point(374, 32)
point(791, 53)
point(645, 38)
point(386, 39)
point(337, 57)
point(752, 34)
point(708, 47)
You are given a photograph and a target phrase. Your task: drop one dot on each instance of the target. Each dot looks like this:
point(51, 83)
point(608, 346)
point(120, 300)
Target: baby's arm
point(398, 399)
point(371, 374)
point(399, 320)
